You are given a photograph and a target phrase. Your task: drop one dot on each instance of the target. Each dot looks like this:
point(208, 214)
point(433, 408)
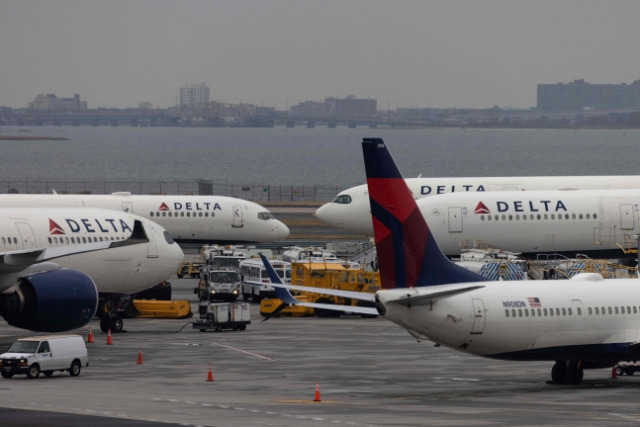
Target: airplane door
point(478, 316)
point(152, 249)
point(238, 217)
point(127, 207)
point(626, 217)
point(26, 234)
point(455, 220)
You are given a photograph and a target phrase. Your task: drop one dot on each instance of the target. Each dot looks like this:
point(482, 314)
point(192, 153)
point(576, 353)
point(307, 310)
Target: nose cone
point(282, 231)
point(327, 214)
point(353, 217)
point(176, 256)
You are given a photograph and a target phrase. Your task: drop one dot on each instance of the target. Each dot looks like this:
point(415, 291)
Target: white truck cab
point(46, 354)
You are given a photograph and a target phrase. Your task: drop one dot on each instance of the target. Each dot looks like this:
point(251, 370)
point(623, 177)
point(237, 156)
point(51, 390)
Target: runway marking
point(243, 351)
point(270, 412)
point(626, 417)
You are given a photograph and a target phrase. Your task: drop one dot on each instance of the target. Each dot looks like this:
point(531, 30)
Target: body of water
point(312, 157)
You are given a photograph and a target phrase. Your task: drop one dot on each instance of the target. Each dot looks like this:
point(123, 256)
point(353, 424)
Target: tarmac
point(365, 372)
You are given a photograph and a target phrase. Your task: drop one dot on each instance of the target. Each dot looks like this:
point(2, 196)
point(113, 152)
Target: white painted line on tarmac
point(244, 351)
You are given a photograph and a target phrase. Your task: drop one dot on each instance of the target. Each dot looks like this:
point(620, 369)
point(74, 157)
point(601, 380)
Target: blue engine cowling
point(51, 301)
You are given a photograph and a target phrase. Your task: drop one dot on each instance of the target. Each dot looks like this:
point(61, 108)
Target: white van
point(47, 353)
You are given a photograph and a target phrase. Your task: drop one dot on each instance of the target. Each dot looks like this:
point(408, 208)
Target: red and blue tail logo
point(408, 255)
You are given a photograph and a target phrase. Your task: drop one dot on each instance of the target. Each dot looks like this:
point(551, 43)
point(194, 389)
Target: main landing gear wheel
point(113, 324)
point(109, 315)
point(567, 372)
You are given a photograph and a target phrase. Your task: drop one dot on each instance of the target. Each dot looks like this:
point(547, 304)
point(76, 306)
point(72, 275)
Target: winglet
point(408, 255)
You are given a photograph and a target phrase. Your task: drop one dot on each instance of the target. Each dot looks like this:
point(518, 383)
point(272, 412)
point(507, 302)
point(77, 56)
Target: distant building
point(51, 102)
point(349, 108)
point(194, 94)
point(311, 110)
point(580, 95)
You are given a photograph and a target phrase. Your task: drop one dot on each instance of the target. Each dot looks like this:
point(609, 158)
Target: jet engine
point(50, 301)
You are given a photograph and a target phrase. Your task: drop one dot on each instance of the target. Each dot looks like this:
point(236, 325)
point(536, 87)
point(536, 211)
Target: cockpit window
point(265, 215)
point(168, 237)
point(342, 199)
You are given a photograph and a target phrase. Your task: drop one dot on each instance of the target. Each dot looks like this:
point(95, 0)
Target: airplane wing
point(283, 293)
point(15, 261)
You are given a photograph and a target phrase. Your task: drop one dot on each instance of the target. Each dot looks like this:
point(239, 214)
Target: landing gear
point(109, 309)
point(567, 372)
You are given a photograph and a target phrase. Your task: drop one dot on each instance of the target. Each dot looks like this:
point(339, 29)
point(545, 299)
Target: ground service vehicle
point(298, 253)
point(218, 284)
point(218, 316)
point(224, 256)
point(255, 282)
point(189, 269)
point(331, 275)
point(46, 354)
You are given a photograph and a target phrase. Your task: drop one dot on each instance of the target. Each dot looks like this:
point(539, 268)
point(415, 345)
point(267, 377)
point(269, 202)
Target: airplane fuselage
point(350, 209)
point(124, 270)
point(530, 320)
point(597, 223)
point(189, 219)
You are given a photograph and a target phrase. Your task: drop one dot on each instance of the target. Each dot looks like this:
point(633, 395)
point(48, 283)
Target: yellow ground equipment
point(269, 305)
point(330, 275)
point(189, 269)
point(175, 309)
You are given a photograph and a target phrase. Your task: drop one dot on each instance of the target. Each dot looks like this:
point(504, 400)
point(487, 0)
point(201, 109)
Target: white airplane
point(595, 223)
point(350, 208)
point(586, 322)
point(189, 219)
point(56, 263)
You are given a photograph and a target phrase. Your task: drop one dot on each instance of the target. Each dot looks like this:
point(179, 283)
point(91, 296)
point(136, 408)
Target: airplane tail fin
point(408, 255)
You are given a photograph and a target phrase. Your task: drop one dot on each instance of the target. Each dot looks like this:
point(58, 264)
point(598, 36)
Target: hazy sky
point(278, 53)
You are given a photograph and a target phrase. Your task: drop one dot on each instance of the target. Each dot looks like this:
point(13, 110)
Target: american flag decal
point(534, 302)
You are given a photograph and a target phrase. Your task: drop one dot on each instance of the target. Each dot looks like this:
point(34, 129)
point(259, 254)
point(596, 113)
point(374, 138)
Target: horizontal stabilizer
point(423, 295)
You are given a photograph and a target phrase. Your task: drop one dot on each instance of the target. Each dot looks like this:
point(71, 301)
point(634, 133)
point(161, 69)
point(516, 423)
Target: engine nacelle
point(50, 301)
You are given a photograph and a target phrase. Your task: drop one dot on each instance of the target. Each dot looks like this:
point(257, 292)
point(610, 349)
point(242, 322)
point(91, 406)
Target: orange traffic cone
point(210, 374)
point(90, 337)
point(139, 361)
point(316, 396)
point(109, 338)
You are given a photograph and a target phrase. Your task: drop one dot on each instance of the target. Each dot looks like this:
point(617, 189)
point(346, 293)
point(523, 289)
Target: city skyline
point(405, 54)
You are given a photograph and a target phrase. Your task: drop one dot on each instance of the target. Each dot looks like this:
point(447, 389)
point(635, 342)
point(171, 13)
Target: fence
point(254, 192)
